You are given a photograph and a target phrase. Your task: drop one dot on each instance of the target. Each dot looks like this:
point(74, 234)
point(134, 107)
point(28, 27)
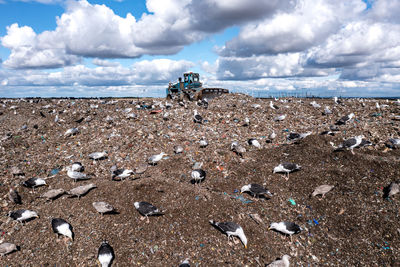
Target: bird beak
point(269, 228)
point(245, 246)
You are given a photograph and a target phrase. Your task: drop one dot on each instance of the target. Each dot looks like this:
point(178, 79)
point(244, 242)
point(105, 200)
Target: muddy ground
point(351, 226)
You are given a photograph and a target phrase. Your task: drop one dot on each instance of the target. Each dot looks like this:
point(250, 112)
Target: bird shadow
point(194, 181)
point(264, 197)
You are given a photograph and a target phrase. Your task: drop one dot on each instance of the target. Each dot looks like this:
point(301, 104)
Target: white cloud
point(159, 71)
point(308, 25)
point(91, 30)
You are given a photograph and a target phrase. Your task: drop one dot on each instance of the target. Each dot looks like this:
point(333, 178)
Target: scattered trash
point(292, 201)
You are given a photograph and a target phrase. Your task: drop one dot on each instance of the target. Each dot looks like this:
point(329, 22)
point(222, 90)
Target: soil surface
point(352, 225)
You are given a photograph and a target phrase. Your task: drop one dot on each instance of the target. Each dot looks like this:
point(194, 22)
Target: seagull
point(105, 254)
point(81, 190)
point(335, 99)
point(62, 227)
point(22, 215)
point(75, 175)
point(34, 182)
point(7, 248)
point(287, 168)
point(153, 160)
point(71, 131)
point(146, 209)
point(198, 175)
point(327, 111)
point(256, 190)
point(322, 190)
point(350, 143)
point(231, 229)
point(315, 104)
point(393, 143)
point(103, 207)
point(254, 142)
point(297, 136)
point(271, 137)
point(246, 122)
point(272, 105)
point(185, 263)
point(77, 167)
point(14, 196)
point(197, 118)
point(52, 194)
point(98, 155)
point(392, 189)
point(288, 228)
point(178, 149)
point(121, 174)
point(280, 117)
point(238, 149)
point(282, 262)
point(203, 142)
point(343, 120)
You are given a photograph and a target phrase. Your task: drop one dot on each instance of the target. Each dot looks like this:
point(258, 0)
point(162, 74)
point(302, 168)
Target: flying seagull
point(105, 254)
point(231, 229)
point(256, 190)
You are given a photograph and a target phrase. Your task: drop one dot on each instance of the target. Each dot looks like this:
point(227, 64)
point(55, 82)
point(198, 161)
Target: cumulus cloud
point(308, 25)
point(91, 30)
point(158, 71)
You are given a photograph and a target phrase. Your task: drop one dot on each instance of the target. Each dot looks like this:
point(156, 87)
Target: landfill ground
point(352, 225)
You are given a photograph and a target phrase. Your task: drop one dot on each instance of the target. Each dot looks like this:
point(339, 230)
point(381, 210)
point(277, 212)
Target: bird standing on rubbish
point(197, 118)
point(231, 229)
point(287, 168)
point(14, 196)
point(105, 255)
point(153, 160)
point(146, 209)
point(343, 120)
point(198, 175)
point(34, 182)
point(23, 215)
point(254, 142)
point(7, 248)
point(256, 190)
point(288, 228)
point(62, 227)
point(282, 262)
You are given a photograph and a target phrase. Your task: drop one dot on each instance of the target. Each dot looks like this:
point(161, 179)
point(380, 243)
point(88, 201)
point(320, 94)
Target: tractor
point(192, 89)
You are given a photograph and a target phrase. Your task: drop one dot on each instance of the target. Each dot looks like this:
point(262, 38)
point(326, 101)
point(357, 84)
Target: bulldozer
point(192, 89)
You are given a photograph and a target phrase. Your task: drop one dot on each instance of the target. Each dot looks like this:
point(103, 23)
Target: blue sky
point(134, 48)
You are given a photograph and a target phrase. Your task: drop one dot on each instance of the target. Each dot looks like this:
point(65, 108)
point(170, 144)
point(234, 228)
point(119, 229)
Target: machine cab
point(191, 80)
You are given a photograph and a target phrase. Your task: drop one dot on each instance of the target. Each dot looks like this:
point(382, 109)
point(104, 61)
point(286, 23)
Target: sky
point(55, 48)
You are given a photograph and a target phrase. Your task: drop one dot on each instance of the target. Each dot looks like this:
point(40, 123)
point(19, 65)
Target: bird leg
point(352, 152)
point(235, 241)
point(142, 218)
point(147, 221)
